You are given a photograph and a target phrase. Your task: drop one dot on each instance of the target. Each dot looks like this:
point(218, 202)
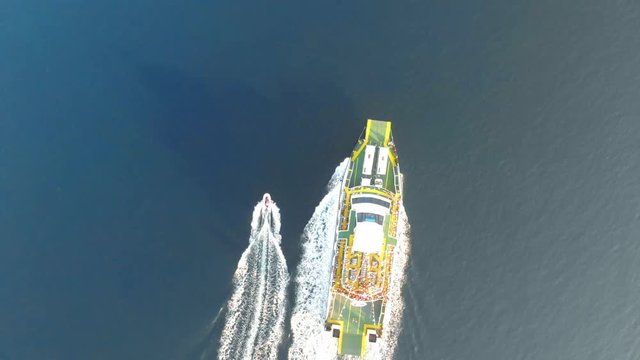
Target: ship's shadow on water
point(238, 143)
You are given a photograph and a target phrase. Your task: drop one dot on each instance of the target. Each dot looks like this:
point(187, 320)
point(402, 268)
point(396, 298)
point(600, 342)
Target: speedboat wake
point(255, 312)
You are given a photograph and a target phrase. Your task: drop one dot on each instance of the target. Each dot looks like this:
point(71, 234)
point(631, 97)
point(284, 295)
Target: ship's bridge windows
point(369, 217)
point(371, 200)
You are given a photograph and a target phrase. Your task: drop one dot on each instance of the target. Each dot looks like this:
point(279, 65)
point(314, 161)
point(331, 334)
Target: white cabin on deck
point(368, 238)
point(370, 213)
point(374, 166)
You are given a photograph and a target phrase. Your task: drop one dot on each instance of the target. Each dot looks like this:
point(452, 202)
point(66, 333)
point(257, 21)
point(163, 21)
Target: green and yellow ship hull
point(366, 237)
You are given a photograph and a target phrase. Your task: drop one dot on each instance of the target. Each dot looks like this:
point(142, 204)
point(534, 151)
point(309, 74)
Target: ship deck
point(358, 305)
point(378, 133)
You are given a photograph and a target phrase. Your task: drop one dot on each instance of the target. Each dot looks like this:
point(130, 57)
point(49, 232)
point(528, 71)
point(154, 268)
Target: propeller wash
point(256, 310)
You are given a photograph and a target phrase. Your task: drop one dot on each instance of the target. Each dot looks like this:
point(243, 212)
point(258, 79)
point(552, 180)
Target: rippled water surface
point(136, 136)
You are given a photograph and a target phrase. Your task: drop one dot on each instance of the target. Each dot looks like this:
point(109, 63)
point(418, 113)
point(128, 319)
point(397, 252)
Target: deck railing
point(393, 223)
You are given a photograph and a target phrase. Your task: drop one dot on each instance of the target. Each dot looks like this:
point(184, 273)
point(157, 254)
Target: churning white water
point(255, 312)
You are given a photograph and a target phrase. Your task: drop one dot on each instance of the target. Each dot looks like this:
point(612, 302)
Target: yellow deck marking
point(340, 323)
point(366, 140)
point(364, 335)
point(392, 157)
point(387, 132)
point(346, 218)
point(386, 178)
point(387, 194)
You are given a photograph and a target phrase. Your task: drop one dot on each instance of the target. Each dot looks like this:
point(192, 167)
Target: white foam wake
point(313, 275)
point(255, 312)
point(313, 278)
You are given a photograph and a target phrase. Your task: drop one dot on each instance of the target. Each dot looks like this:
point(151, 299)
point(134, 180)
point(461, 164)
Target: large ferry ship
point(366, 237)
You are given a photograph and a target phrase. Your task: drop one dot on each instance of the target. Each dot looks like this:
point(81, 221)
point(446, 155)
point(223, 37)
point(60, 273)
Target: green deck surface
point(354, 320)
point(378, 130)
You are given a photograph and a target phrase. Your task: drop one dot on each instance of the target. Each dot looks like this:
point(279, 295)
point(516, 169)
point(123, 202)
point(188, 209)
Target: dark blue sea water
point(136, 137)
